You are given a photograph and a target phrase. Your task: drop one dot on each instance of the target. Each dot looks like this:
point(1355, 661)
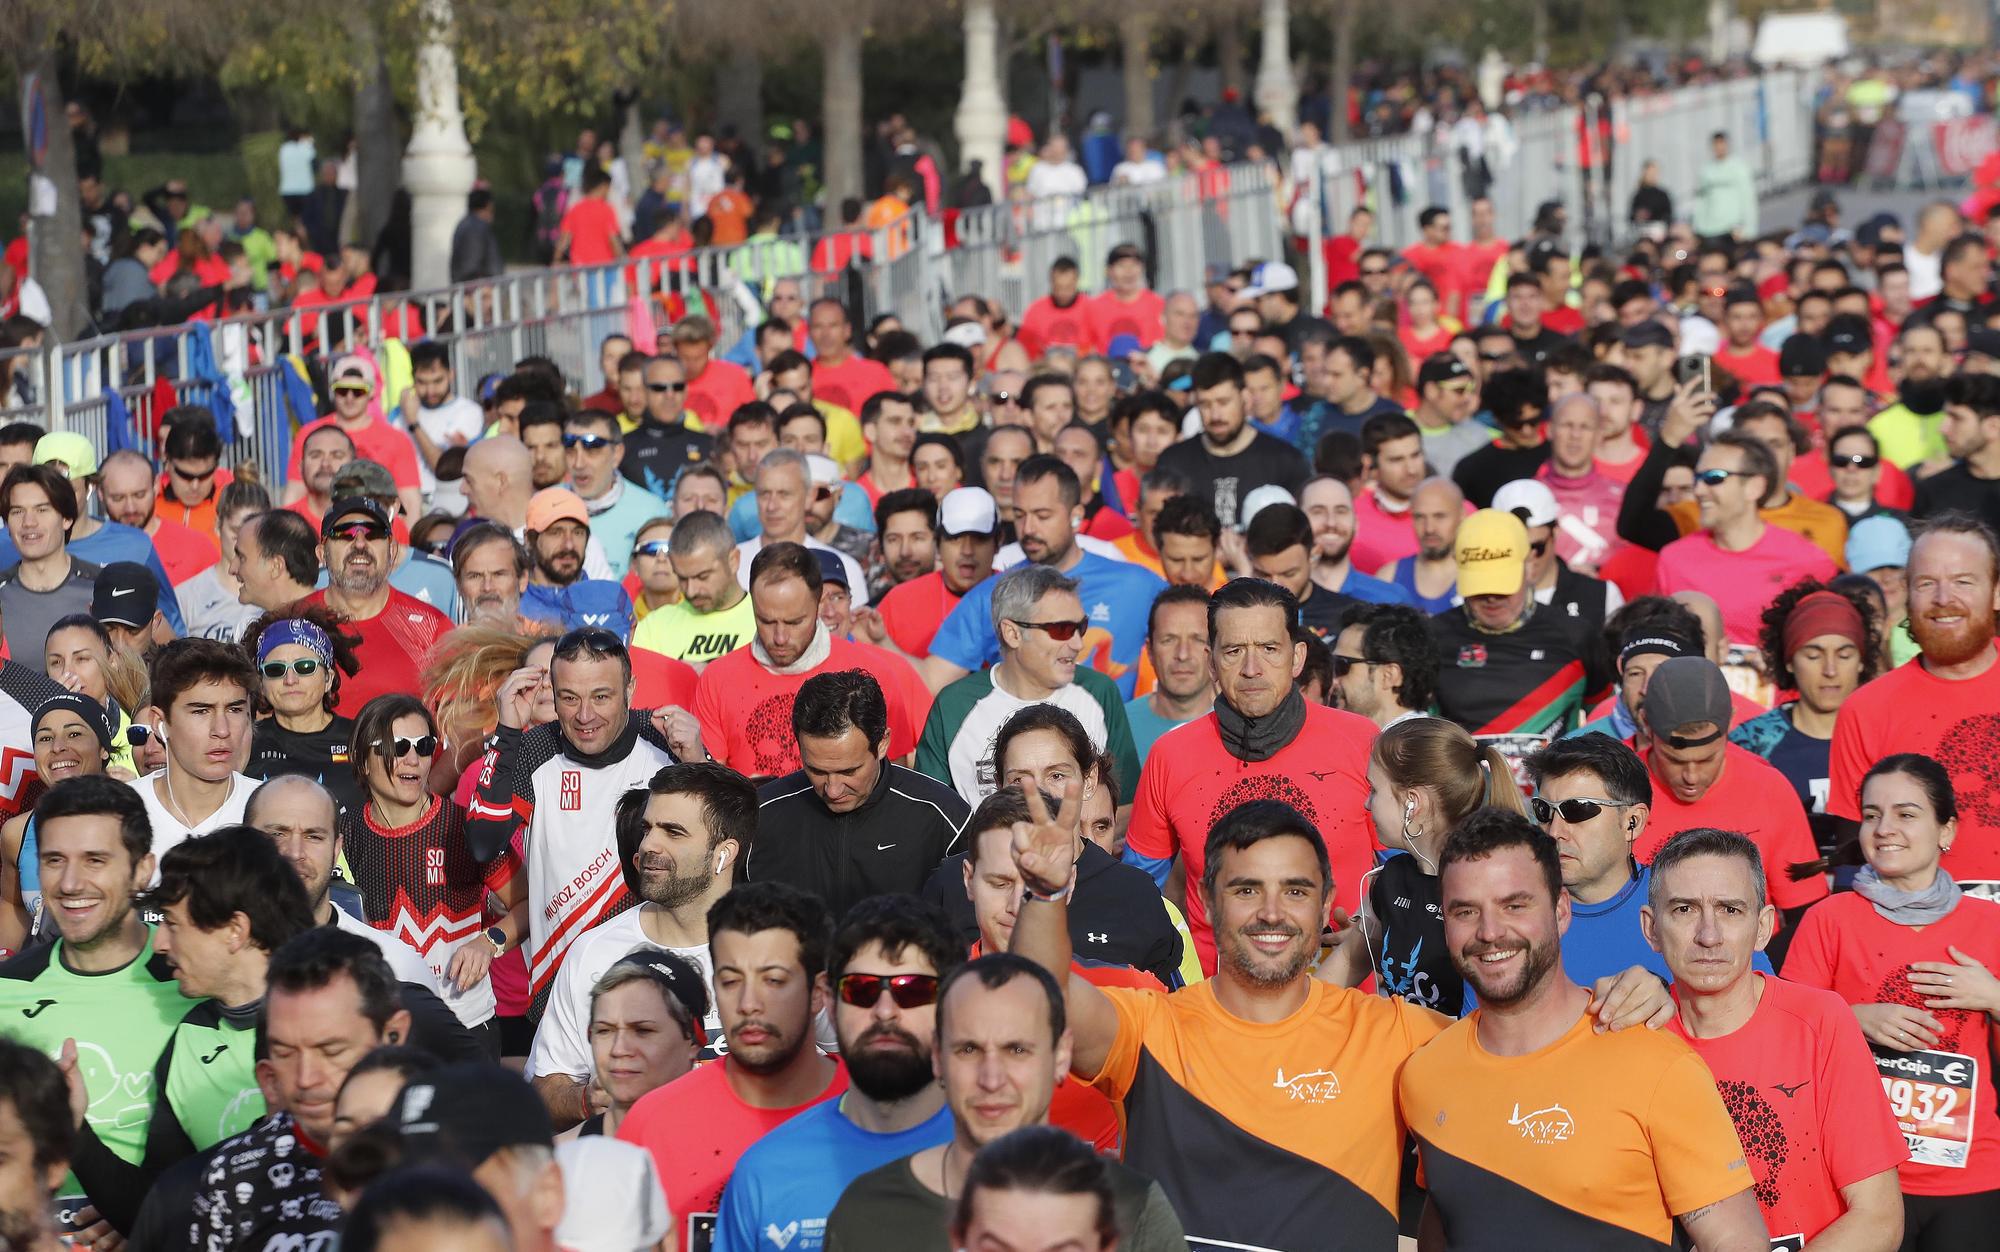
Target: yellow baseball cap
point(1492, 551)
point(69, 447)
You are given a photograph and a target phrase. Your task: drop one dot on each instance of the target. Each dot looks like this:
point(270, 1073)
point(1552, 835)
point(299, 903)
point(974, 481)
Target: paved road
point(1856, 205)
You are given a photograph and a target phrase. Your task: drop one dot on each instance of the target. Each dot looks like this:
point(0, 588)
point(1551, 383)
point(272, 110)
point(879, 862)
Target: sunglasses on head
point(1342, 664)
point(1058, 631)
point(396, 749)
point(652, 547)
point(1575, 811)
point(1717, 477)
point(276, 669)
point(358, 532)
point(1857, 460)
point(589, 443)
point(909, 991)
point(666, 386)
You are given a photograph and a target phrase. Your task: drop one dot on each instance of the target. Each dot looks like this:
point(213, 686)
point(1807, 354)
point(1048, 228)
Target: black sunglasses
point(1575, 811)
point(589, 443)
point(1857, 460)
point(276, 669)
point(909, 991)
point(1342, 664)
point(652, 547)
point(1058, 631)
point(666, 386)
point(1539, 548)
point(396, 749)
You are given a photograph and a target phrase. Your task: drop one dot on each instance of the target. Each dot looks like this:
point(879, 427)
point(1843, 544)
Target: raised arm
point(1044, 852)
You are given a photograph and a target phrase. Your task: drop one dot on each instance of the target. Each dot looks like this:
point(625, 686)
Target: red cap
point(1773, 287)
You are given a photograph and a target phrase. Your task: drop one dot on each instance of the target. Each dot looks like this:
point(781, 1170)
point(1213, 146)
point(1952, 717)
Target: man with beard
point(126, 484)
point(1385, 663)
point(769, 945)
point(491, 569)
point(397, 630)
point(594, 446)
point(1527, 1118)
point(1329, 506)
point(321, 456)
point(906, 530)
point(100, 981)
point(815, 826)
point(499, 485)
point(965, 539)
point(558, 535)
point(1429, 574)
point(1231, 458)
point(679, 839)
point(1280, 542)
point(713, 617)
point(889, 957)
point(1392, 451)
point(1909, 430)
point(1302, 1109)
point(1971, 484)
point(1001, 1056)
point(1263, 740)
point(1943, 705)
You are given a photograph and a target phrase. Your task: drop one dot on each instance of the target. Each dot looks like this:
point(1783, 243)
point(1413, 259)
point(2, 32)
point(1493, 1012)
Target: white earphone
point(720, 857)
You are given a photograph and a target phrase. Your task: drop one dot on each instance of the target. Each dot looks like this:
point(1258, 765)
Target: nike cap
point(126, 595)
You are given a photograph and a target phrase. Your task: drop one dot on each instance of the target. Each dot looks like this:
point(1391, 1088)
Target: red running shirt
point(1800, 1084)
point(395, 644)
point(1751, 797)
point(1190, 780)
point(745, 710)
point(1943, 1099)
point(1138, 317)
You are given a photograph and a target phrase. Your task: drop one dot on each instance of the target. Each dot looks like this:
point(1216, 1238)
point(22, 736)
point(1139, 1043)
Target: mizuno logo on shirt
point(37, 1010)
point(1791, 1090)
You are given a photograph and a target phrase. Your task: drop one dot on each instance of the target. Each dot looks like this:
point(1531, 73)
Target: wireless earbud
point(719, 858)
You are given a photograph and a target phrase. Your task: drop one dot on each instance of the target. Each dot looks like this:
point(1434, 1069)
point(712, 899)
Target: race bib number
point(701, 1232)
point(1931, 1095)
point(1788, 1243)
point(1982, 890)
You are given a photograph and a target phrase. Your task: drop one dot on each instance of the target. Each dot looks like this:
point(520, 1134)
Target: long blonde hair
point(1462, 773)
point(464, 675)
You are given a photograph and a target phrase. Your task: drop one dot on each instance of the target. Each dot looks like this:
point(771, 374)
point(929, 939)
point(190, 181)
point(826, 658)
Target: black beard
point(670, 890)
point(888, 1076)
point(549, 571)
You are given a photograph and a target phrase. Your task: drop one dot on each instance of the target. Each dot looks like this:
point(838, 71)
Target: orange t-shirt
point(1751, 797)
point(720, 390)
point(1942, 1099)
point(592, 227)
point(1957, 724)
point(1190, 780)
point(745, 710)
point(1267, 1134)
point(695, 1164)
point(729, 214)
point(1587, 1142)
point(1800, 1084)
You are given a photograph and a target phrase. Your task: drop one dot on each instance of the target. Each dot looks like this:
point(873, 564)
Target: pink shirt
point(1380, 536)
point(1587, 521)
point(1742, 583)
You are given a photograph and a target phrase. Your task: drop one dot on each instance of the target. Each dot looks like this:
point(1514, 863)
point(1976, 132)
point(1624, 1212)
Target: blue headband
point(295, 630)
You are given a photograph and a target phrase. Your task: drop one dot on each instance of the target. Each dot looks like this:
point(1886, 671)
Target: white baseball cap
point(968, 511)
point(824, 469)
point(1528, 499)
point(1258, 500)
point(1269, 277)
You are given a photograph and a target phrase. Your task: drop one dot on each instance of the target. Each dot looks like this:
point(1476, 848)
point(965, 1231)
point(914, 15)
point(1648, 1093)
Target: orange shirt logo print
point(1318, 1086)
point(1544, 1126)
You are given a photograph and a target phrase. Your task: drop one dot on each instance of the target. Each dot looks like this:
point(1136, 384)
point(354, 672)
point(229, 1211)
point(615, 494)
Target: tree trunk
point(1229, 55)
point(840, 106)
point(1538, 32)
point(1345, 13)
point(378, 140)
point(1135, 33)
point(739, 94)
point(56, 261)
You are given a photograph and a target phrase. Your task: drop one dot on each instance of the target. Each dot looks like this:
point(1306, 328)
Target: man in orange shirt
point(729, 212)
point(715, 389)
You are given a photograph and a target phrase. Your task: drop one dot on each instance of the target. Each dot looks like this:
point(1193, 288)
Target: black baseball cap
point(1647, 334)
point(1801, 356)
point(1848, 333)
point(353, 506)
point(126, 594)
point(680, 978)
point(465, 1112)
point(1687, 691)
point(1441, 367)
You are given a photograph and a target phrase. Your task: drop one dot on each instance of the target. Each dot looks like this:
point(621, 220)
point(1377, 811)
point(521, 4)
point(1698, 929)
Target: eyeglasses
point(276, 669)
point(909, 991)
point(652, 547)
point(589, 443)
point(1540, 547)
point(1342, 664)
point(1058, 631)
point(1576, 810)
point(196, 477)
point(1856, 460)
point(1374, 273)
point(395, 749)
point(352, 391)
point(1717, 477)
point(666, 386)
point(358, 532)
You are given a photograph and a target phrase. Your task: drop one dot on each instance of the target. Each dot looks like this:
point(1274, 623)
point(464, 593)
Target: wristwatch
point(498, 938)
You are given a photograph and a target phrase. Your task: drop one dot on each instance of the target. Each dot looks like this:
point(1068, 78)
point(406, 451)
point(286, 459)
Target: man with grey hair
point(1037, 616)
point(713, 616)
point(1831, 1167)
point(1180, 318)
point(1586, 498)
point(785, 490)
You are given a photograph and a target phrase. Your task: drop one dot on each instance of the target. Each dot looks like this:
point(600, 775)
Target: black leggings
point(1950, 1223)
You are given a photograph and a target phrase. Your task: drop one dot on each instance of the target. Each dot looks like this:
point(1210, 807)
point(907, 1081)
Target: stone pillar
point(438, 168)
point(1277, 93)
point(981, 122)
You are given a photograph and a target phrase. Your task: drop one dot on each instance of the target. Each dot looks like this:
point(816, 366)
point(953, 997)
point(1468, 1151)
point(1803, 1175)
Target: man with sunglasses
point(680, 838)
point(397, 630)
point(1038, 622)
point(1447, 394)
point(422, 575)
point(889, 956)
point(358, 415)
point(663, 442)
point(595, 449)
point(1817, 520)
point(769, 945)
point(1518, 401)
point(1385, 663)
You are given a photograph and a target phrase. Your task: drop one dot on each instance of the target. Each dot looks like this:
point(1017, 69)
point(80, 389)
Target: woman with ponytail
point(1425, 776)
